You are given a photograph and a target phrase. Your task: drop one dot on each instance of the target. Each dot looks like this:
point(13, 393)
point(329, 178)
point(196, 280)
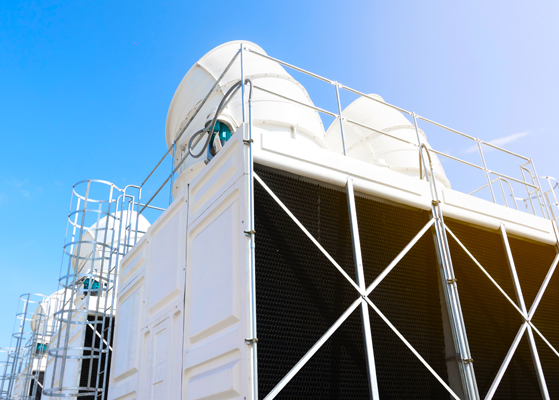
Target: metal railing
point(103, 225)
point(527, 179)
point(111, 244)
point(550, 197)
point(534, 202)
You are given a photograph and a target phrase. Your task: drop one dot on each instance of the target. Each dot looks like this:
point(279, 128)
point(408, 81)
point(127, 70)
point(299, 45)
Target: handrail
point(531, 184)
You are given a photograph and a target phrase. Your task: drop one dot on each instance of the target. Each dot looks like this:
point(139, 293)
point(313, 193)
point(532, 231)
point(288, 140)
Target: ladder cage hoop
point(102, 226)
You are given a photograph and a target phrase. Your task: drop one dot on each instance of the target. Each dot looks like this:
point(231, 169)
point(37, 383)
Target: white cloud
point(498, 142)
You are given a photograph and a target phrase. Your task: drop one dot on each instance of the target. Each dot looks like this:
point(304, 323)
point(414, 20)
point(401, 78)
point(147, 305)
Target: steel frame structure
point(101, 229)
point(436, 225)
point(23, 362)
point(537, 202)
point(450, 289)
point(5, 368)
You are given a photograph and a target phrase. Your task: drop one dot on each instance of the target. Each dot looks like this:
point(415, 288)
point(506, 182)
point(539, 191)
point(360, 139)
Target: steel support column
point(250, 232)
point(360, 274)
point(448, 281)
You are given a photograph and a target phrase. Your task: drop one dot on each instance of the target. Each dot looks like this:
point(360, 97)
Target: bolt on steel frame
point(548, 208)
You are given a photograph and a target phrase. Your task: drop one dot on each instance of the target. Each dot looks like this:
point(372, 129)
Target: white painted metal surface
point(183, 310)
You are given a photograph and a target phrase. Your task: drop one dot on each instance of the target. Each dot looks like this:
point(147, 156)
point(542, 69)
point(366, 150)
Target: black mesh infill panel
point(491, 321)
point(38, 388)
point(91, 372)
point(300, 295)
point(408, 296)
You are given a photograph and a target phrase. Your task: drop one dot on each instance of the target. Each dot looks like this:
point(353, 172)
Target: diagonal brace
point(306, 232)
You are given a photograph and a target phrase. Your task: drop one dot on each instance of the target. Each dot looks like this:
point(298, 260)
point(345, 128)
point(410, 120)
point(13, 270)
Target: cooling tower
point(297, 264)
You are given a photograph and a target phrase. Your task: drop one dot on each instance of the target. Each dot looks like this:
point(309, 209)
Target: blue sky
point(85, 87)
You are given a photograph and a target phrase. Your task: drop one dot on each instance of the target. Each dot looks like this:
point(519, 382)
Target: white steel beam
point(511, 301)
point(306, 232)
point(399, 257)
point(359, 272)
point(506, 362)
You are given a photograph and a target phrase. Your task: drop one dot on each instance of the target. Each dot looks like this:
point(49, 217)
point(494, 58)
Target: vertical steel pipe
point(360, 274)
point(485, 170)
point(448, 282)
point(250, 232)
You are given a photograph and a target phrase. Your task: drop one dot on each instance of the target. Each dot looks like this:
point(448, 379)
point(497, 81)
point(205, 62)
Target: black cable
point(212, 124)
point(222, 104)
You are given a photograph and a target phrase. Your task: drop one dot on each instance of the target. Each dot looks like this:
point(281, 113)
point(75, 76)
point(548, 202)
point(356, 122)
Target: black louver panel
point(300, 295)
point(37, 387)
point(92, 374)
point(492, 322)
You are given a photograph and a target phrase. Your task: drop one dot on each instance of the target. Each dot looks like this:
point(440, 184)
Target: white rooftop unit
point(295, 261)
point(303, 264)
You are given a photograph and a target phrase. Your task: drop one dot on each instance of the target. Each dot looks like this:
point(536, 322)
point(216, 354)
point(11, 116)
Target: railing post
point(336, 85)
point(503, 191)
point(250, 232)
point(172, 172)
point(486, 171)
point(242, 54)
point(539, 189)
point(360, 274)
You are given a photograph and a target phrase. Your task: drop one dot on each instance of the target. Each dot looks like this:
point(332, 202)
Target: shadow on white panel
point(220, 378)
point(215, 272)
point(126, 349)
point(167, 258)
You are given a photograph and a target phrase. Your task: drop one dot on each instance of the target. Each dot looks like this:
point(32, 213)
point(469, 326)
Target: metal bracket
point(451, 281)
point(251, 232)
point(436, 202)
point(248, 141)
point(468, 360)
point(251, 341)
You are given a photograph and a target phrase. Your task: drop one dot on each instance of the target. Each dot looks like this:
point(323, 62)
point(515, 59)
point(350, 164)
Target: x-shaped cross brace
point(363, 299)
point(527, 325)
